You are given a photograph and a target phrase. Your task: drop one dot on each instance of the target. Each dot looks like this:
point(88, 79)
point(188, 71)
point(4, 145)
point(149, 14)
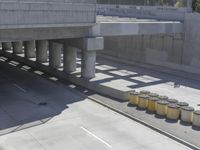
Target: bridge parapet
point(36, 13)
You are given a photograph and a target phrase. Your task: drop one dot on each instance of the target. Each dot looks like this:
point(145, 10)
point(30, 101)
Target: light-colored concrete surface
point(55, 51)
point(123, 78)
point(17, 47)
point(69, 60)
point(88, 64)
point(149, 12)
point(108, 26)
point(29, 49)
point(42, 48)
point(68, 121)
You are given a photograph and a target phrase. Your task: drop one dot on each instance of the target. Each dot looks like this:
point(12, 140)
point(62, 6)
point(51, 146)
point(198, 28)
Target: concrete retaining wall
point(191, 54)
point(148, 12)
point(30, 12)
point(180, 52)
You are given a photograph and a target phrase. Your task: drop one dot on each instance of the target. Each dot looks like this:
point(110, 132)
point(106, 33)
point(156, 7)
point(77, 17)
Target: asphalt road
point(40, 113)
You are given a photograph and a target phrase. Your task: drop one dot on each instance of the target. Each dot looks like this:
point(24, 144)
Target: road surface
point(40, 113)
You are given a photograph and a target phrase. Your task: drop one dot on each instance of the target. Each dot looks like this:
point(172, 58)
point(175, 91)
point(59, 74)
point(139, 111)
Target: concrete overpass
point(46, 28)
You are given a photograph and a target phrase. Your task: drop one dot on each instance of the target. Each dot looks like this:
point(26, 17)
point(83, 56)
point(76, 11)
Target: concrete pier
point(42, 51)
point(88, 64)
point(6, 46)
point(17, 47)
point(29, 49)
point(70, 55)
point(55, 50)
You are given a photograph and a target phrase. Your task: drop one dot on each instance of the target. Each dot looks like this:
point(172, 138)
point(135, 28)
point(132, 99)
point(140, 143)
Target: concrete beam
point(42, 51)
point(103, 29)
point(88, 44)
point(55, 50)
point(29, 49)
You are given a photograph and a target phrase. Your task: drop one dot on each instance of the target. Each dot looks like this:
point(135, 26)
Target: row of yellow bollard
point(164, 106)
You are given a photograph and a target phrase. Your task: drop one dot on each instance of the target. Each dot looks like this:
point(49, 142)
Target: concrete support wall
point(55, 50)
point(29, 49)
point(6, 46)
point(191, 54)
point(88, 64)
point(17, 47)
point(162, 50)
point(70, 55)
point(179, 51)
point(42, 51)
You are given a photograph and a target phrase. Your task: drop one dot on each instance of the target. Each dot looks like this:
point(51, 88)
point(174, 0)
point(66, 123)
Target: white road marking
point(17, 86)
point(90, 133)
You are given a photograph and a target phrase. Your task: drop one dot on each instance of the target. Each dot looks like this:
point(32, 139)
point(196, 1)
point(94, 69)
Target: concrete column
point(55, 50)
point(70, 55)
point(17, 47)
point(6, 46)
point(29, 49)
point(41, 51)
point(88, 64)
point(189, 6)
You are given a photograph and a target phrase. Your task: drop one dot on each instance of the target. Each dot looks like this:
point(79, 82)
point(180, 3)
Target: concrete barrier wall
point(31, 12)
point(148, 12)
point(191, 54)
point(163, 50)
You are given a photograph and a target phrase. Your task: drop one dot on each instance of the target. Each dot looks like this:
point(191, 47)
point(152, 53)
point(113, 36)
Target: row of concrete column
point(39, 50)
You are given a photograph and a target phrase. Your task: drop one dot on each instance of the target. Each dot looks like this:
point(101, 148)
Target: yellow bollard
point(172, 101)
point(134, 98)
point(153, 95)
point(164, 98)
point(152, 104)
point(173, 111)
point(161, 108)
point(143, 101)
point(182, 104)
point(196, 118)
point(187, 114)
point(144, 92)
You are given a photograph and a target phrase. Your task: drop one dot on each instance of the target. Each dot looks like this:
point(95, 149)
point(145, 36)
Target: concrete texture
point(116, 26)
point(162, 50)
point(69, 120)
point(55, 51)
point(42, 48)
point(88, 64)
point(70, 55)
point(29, 49)
point(44, 13)
point(191, 53)
point(148, 12)
point(17, 47)
point(6, 46)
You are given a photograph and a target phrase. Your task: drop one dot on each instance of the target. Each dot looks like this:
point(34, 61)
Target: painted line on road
point(17, 86)
point(90, 133)
point(167, 134)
